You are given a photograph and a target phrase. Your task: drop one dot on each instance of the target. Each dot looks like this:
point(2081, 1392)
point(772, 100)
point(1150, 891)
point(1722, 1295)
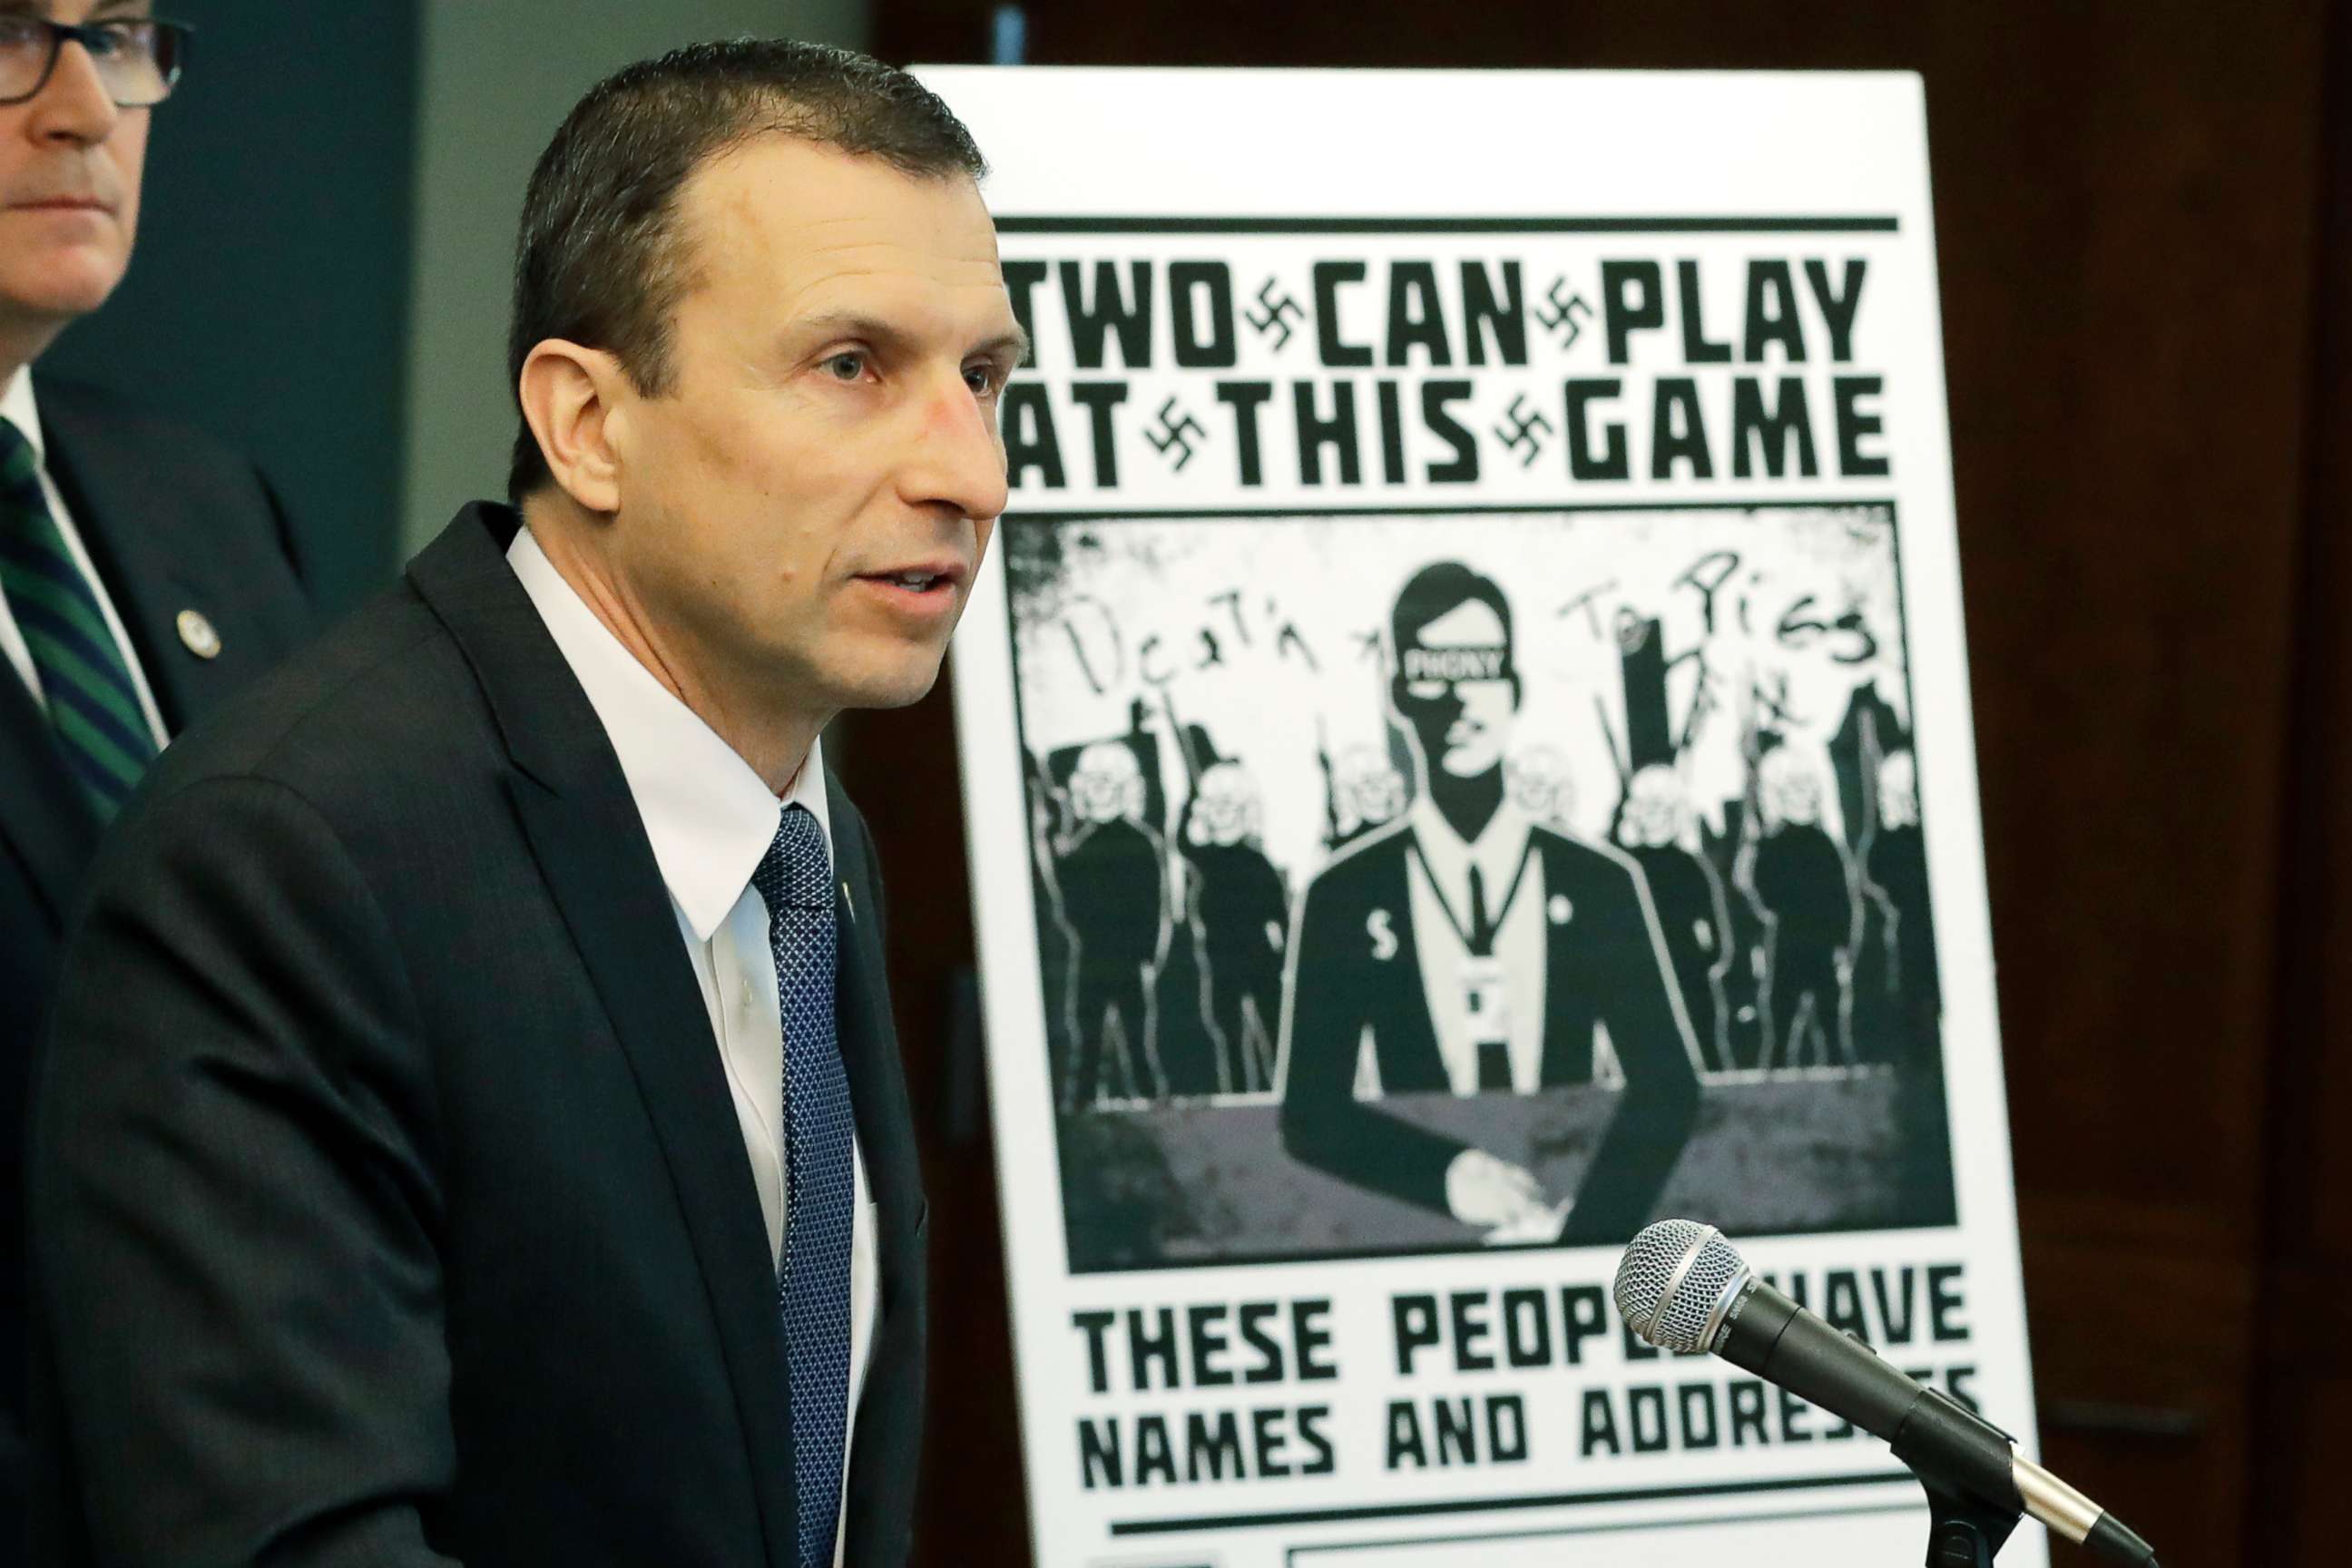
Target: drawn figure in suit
point(1801, 882)
point(1115, 897)
point(1656, 827)
point(1242, 914)
point(1464, 949)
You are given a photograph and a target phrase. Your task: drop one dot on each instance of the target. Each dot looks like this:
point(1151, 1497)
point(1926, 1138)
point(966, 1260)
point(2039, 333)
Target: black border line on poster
point(1016, 512)
point(1482, 224)
point(1293, 1555)
point(1485, 1505)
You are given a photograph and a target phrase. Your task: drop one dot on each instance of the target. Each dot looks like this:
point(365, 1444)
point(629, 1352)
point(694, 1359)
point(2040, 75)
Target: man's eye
point(981, 378)
point(845, 366)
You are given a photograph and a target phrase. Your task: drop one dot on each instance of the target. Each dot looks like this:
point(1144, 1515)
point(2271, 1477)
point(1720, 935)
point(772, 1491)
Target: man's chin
point(900, 683)
point(62, 287)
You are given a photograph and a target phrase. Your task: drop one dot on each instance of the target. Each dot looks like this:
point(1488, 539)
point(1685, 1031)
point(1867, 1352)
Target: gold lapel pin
point(197, 633)
point(847, 902)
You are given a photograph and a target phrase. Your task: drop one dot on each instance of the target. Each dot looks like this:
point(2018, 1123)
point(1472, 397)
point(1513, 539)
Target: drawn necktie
point(93, 707)
point(1493, 1052)
point(794, 878)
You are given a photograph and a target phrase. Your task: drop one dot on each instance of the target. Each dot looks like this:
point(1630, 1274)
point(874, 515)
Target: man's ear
point(569, 395)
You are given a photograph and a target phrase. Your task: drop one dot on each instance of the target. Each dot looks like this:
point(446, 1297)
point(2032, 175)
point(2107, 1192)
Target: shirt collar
point(1496, 854)
point(709, 816)
point(16, 404)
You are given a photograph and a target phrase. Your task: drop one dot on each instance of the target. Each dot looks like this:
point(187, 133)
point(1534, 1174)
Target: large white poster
point(1465, 734)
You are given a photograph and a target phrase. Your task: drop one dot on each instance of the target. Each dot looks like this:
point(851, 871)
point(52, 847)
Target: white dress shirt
point(1439, 884)
point(711, 819)
point(17, 404)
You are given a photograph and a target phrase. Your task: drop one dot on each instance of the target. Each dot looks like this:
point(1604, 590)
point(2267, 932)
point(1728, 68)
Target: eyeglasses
point(138, 59)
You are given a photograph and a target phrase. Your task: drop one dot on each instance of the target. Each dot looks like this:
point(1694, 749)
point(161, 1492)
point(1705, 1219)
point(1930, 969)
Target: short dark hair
point(600, 259)
point(1436, 590)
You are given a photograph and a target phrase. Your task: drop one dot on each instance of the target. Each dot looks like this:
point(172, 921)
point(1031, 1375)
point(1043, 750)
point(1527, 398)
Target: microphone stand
point(1964, 1532)
point(1942, 1444)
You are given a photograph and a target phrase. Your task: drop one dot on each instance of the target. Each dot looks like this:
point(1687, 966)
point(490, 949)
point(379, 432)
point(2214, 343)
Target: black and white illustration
point(1413, 882)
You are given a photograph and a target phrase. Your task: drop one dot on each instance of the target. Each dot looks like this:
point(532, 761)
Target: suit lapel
point(869, 1049)
point(1405, 1031)
point(152, 548)
point(42, 816)
point(585, 831)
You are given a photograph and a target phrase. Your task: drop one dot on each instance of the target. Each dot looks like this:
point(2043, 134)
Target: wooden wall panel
point(2303, 1510)
point(2129, 205)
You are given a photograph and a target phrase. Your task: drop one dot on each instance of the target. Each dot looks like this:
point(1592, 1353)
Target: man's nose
point(958, 461)
point(74, 105)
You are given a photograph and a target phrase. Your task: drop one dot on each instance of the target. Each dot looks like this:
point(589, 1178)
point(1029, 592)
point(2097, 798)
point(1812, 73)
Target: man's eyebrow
point(1012, 346)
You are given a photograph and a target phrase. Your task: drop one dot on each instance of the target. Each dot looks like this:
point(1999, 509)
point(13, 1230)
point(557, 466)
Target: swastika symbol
point(1570, 313)
point(1523, 431)
point(1178, 430)
point(1277, 311)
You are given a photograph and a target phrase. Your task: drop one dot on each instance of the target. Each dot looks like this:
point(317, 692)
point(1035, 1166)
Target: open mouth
point(916, 589)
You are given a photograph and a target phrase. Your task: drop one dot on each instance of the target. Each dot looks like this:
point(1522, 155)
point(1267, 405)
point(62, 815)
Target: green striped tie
point(93, 706)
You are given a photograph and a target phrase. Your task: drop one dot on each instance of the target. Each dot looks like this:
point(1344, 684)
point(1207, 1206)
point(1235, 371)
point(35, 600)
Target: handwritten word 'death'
point(1227, 629)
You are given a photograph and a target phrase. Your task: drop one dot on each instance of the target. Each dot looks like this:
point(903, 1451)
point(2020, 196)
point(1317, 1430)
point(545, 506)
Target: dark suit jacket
point(172, 522)
point(1604, 963)
point(391, 1207)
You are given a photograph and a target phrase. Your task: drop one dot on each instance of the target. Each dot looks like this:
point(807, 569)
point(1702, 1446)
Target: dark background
point(269, 302)
point(2144, 231)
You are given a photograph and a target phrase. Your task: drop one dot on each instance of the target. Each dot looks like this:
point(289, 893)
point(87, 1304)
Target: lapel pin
point(1560, 909)
point(847, 902)
point(197, 633)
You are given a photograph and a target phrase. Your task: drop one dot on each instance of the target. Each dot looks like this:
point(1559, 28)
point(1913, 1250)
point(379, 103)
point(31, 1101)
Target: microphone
point(1681, 1287)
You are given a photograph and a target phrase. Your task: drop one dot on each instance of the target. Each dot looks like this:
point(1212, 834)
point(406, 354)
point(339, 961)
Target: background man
point(143, 572)
point(1802, 881)
point(1241, 913)
point(1655, 827)
point(1478, 951)
point(474, 1130)
point(1114, 888)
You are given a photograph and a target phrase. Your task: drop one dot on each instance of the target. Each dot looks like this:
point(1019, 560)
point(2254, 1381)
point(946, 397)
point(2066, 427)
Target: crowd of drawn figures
point(1546, 852)
point(1796, 940)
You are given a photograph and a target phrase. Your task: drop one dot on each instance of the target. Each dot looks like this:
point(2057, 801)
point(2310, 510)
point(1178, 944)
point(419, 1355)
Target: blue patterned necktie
point(795, 880)
point(94, 705)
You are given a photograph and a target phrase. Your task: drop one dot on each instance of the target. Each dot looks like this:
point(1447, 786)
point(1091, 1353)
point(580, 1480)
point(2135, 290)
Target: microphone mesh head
point(1668, 1312)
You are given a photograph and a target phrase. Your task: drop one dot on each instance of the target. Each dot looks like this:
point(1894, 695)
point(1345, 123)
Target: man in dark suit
point(474, 1130)
point(143, 572)
point(1464, 949)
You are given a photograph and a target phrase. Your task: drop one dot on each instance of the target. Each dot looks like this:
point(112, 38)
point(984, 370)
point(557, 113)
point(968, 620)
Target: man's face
point(1107, 784)
point(69, 167)
point(1454, 689)
point(803, 509)
point(1653, 810)
point(1368, 787)
point(1538, 783)
point(1799, 797)
point(1228, 808)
